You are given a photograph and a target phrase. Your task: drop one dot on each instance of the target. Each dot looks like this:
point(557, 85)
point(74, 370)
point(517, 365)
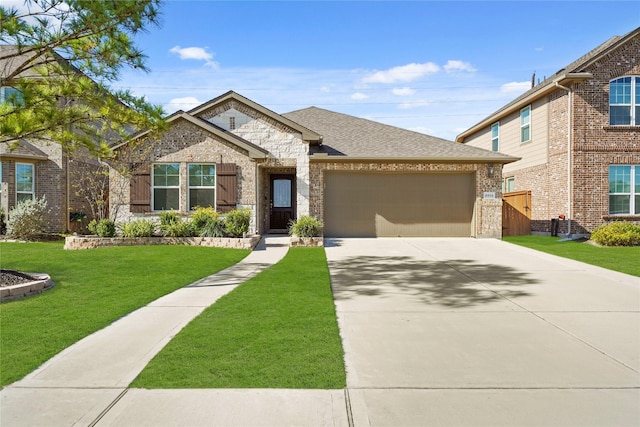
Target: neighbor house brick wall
point(488, 212)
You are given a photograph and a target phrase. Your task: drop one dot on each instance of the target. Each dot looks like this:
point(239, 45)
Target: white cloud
point(186, 103)
point(403, 73)
point(403, 91)
point(453, 66)
point(415, 104)
point(359, 96)
point(515, 87)
point(196, 53)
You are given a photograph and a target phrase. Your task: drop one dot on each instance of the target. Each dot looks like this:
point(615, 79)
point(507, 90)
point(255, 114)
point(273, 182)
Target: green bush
point(202, 216)
point(178, 229)
point(168, 218)
point(139, 228)
point(305, 226)
point(237, 221)
point(213, 228)
point(103, 228)
point(27, 218)
point(618, 233)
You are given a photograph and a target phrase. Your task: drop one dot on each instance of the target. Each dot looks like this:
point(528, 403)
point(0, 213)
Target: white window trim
point(33, 181)
point(632, 106)
point(496, 138)
point(528, 124)
point(153, 185)
point(189, 186)
point(632, 192)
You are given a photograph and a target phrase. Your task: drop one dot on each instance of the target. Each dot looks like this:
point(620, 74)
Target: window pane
point(524, 134)
point(166, 199)
point(24, 196)
point(202, 197)
point(24, 178)
point(638, 113)
point(619, 179)
point(494, 145)
point(202, 175)
point(172, 181)
point(620, 115)
point(494, 131)
point(619, 204)
point(166, 175)
point(524, 116)
point(637, 210)
point(620, 91)
point(282, 193)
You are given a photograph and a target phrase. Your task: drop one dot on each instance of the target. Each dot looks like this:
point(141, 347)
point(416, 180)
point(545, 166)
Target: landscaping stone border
point(306, 241)
point(92, 242)
point(44, 282)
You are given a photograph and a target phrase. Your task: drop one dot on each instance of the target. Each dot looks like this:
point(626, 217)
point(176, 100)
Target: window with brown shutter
point(140, 191)
point(226, 194)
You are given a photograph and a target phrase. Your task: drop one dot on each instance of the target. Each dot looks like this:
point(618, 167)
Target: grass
point(277, 330)
point(625, 259)
point(93, 288)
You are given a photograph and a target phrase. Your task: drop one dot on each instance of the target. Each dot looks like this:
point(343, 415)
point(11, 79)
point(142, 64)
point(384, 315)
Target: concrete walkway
point(82, 383)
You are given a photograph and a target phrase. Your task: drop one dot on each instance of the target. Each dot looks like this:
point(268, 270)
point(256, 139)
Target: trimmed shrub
point(618, 233)
point(168, 218)
point(178, 229)
point(213, 228)
point(201, 217)
point(237, 221)
point(27, 218)
point(305, 226)
point(139, 228)
point(103, 228)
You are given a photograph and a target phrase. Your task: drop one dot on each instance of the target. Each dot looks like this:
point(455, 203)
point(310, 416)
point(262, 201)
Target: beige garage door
point(392, 205)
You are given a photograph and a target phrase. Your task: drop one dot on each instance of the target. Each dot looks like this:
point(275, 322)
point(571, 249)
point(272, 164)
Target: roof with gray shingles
point(349, 136)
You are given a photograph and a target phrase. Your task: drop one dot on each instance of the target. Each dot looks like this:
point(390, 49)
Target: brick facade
point(579, 142)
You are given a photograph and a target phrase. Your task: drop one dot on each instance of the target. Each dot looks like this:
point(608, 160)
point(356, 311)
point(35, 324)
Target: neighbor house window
point(624, 190)
point(232, 123)
point(202, 185)
point(166, 186)
point(624, 101)
point(10, 95)
point(509, 184)
point(525, 124)
point(495, 133)
point(25, 182)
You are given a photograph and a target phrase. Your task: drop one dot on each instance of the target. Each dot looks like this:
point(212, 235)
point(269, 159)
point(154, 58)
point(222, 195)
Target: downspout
point(569, 157)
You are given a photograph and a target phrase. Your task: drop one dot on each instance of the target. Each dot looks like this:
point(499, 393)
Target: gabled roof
point(24, 150)
point(255, 152)
point(351, 138)
point(307, 134)
point(576, 71)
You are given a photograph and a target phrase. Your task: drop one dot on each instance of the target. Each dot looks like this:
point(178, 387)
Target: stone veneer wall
point(488, 212)
point(92, 242)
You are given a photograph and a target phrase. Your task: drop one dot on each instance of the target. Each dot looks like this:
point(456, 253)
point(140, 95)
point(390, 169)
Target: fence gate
point(516, 213)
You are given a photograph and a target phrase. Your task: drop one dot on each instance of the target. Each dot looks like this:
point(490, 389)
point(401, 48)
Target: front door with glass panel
point(282, 203)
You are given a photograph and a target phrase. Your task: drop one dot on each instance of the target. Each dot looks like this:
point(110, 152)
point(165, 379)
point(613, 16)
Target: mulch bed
point(12, 277)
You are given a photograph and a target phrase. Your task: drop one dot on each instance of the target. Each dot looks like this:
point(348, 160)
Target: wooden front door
point(283, 202)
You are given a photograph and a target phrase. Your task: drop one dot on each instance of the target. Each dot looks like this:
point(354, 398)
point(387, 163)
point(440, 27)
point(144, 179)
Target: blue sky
point(436, 67)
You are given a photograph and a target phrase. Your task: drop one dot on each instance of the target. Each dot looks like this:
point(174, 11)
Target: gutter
point(317, 158)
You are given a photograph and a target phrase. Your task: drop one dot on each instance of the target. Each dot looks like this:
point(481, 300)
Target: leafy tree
point(61, 56)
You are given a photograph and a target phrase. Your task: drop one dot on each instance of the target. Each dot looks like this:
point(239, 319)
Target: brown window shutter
point(140, 191)
point(226, 187)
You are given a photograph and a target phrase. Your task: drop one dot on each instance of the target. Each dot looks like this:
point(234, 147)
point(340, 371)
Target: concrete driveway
point(482, 332)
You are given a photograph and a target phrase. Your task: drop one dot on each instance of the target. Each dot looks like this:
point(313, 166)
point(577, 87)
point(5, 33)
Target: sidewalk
point(86, 384)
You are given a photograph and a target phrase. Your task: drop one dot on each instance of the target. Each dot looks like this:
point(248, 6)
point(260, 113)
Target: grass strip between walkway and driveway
point(625, 259)
point(277, 330)
point(93, 288)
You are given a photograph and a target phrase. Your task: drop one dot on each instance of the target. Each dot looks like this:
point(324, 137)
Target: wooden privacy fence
point(516, 213)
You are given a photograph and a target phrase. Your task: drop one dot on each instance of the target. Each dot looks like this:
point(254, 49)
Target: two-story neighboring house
point(578, 136)
point(37, 168)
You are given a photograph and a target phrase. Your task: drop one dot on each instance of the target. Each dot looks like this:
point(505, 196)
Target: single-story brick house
point(360, 177)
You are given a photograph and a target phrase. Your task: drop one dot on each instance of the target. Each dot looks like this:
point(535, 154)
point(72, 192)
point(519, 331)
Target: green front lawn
point(625, 259)
point(93, 288)
point(277, 330)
